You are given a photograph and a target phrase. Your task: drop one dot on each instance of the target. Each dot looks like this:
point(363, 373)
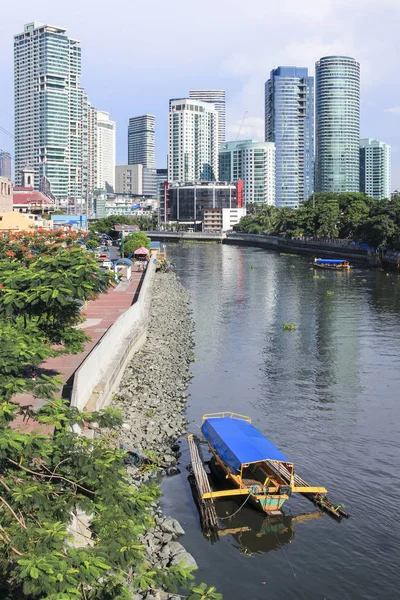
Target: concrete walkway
point(99, 316)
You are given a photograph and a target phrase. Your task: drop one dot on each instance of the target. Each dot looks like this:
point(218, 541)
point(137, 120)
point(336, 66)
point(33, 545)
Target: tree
point(134, 241)
point(47, 478)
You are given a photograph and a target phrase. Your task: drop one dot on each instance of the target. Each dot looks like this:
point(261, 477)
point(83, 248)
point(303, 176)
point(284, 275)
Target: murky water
point(327, 394)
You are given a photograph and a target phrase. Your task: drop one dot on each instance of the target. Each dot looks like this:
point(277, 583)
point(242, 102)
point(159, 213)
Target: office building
point(141, 134)
point(337, 122)
point(186, 202)
point(129, 179)
point(48, 107)
point(289, 123)
point(149, 182)
point(252, 162)
point(375, 169)
point(162, 177)
point(105, 152)
point(192, 141)
point(216, 97)
point(5, 164)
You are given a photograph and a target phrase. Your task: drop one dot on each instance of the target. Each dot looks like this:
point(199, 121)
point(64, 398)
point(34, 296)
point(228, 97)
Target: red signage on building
point(239, 193)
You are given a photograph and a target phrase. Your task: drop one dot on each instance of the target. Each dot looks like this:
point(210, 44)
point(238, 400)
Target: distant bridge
point(177, 236)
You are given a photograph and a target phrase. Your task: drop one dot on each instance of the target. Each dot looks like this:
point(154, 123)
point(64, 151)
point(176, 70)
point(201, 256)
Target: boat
point(331, 263)
point(251, 466)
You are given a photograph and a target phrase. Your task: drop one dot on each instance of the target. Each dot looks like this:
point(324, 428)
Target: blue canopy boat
point(253, 466)
point(331, 263)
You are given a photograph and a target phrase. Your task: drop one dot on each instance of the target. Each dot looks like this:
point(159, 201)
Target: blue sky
point(137, 55)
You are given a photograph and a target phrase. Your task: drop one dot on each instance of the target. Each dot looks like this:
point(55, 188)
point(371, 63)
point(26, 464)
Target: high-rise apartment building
point(141, 134)
point(254, 163)
point(375, 169)
point(48, 107)
point(289, 123)
point(192, 141)
point(5, 164)
point(216, 97)
point(89, 145)
point(105, 151)
point(337, 122)
point(129, 179)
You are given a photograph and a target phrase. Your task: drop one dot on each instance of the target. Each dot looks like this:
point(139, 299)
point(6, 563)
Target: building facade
point(375, 169)
point(337, 122)
point(216, 97)
point(150, 182)
point(192, 141)
point(254, 163)
point(186, 202)
point(162, 177)
point(89, 146)
point(289, 123)
point(48, 107)
point(6, 195)
point(5, 164)
point(221, 219)
point(141, 141)
point(129, 179)
point(106, 132)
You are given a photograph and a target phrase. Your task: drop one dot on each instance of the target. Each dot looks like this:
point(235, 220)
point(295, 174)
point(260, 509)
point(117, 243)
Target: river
point(326, 394)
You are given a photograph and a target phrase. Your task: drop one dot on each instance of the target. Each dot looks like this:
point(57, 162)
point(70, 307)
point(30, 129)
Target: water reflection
point(252, 532)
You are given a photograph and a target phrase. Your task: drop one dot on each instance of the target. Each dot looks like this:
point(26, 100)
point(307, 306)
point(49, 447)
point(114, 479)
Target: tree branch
point(12, 512)
point(50, 476)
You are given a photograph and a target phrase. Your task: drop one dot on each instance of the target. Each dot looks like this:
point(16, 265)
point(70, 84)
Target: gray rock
point(172, 526)
point(184, 559)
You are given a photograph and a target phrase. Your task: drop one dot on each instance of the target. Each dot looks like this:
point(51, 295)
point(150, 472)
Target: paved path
point(99, 316)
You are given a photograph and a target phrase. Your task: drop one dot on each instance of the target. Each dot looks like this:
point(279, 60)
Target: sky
point(137, 55)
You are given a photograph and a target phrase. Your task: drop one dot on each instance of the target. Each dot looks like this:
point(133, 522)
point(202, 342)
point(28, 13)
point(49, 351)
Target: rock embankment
point(152, 397)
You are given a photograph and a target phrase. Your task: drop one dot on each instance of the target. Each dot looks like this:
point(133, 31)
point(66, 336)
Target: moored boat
point(251, 466)
point(331, 263)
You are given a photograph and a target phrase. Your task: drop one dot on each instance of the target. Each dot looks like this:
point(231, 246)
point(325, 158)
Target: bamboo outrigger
point(255, 468)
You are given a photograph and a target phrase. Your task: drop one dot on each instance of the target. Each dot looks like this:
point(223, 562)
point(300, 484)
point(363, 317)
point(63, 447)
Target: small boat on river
point(331, 263)
point(251, 466)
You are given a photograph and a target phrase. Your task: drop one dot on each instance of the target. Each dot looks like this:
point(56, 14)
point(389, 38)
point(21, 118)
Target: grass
point(330, 293)
point(289, 327)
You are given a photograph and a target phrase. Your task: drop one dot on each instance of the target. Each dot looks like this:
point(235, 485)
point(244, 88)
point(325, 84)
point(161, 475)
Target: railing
point(101, 367)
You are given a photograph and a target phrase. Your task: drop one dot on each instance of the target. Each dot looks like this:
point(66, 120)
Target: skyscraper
point(289, 123)
point(48, 107)
point(89, 145)
point(254, 163)
point(192, 141)
point(105, 151)
point(5, 164)
point(216, 97)
point(337, 160)
point(375, 169)
point(141, 133)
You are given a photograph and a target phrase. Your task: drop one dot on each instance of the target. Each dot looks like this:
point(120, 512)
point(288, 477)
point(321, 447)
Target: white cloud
point(394, 110)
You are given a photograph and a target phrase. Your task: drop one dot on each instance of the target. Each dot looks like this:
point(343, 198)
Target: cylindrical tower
point(337, 94)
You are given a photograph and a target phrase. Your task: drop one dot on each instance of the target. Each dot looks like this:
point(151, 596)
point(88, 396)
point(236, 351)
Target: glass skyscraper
point(48, 108)
point(141, 134)
point(337, 162)
point(289, 122)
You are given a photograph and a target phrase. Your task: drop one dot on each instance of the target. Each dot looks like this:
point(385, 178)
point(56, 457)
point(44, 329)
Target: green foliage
point(330, 216)
point(330, 293)
point(134, 241)
point(106, 225)
point(289, 327)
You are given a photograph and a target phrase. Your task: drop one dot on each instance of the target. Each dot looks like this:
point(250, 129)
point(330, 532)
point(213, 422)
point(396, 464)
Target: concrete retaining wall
point(101, 371)
point(361, 256)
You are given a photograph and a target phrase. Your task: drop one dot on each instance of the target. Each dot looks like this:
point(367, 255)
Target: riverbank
point(152, 397)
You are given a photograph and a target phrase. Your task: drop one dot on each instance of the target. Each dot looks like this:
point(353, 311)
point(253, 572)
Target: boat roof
point(330, 261)
point(238, 442)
